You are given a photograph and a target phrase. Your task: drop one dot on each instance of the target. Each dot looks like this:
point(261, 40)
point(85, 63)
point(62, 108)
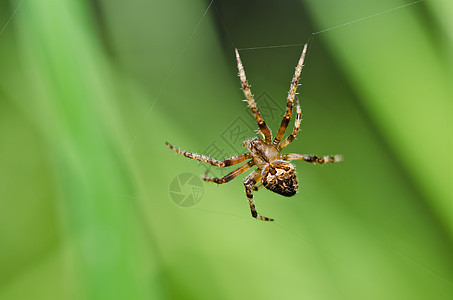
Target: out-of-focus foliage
point(91, 90)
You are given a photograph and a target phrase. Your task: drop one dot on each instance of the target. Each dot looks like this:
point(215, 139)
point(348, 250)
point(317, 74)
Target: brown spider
point(275, 173)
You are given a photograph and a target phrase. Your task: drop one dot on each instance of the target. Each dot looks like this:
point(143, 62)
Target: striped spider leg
point(289, 105)
point(274, 171)
point(223, 163)
point(249, 184)
point(265, 131)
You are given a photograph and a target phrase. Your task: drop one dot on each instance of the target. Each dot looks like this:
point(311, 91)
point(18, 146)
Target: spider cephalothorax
point(273, 168)
point(262, 152)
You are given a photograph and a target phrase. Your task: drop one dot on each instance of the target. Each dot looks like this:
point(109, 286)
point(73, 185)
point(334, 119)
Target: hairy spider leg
point(249, 184)
point(291, 96)
point(293, 134)
point(265, 131)
point(230, 176)
point(258, 186)
point(218, 163)
point(312, 158)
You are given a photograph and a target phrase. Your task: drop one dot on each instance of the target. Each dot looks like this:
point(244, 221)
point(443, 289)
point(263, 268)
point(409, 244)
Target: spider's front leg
point(293, 134)
point(249, 184)
point(264, 129)
point(291, 96)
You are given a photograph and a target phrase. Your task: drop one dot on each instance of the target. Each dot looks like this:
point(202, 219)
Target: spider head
point(280, 177)
point(255, 144)
point(261, 151)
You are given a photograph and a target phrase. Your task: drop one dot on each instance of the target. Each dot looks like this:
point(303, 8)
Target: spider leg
point(312, 158)
point(265, 131)
point(293, 135)
point(218, 163)
point(258, 186)
point(230, 175)
point(291, 96)
point(249, 184)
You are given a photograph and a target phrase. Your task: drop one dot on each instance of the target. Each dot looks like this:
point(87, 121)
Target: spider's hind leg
point(258, 186)
point(249, 184)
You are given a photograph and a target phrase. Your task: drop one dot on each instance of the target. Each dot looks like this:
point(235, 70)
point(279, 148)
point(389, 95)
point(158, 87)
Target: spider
point(273, 169)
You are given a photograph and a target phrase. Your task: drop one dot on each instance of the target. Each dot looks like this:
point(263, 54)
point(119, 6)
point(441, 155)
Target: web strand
point(368, 17)
point(12, 17)
point(279, 46)
point(273, 46)
point(169, 75)
point(223, 23)
point(335, 27)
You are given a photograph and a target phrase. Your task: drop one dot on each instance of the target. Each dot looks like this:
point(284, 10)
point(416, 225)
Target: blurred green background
point(91, 90)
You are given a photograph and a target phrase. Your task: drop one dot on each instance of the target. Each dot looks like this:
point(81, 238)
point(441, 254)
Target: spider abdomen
point(280, 177)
